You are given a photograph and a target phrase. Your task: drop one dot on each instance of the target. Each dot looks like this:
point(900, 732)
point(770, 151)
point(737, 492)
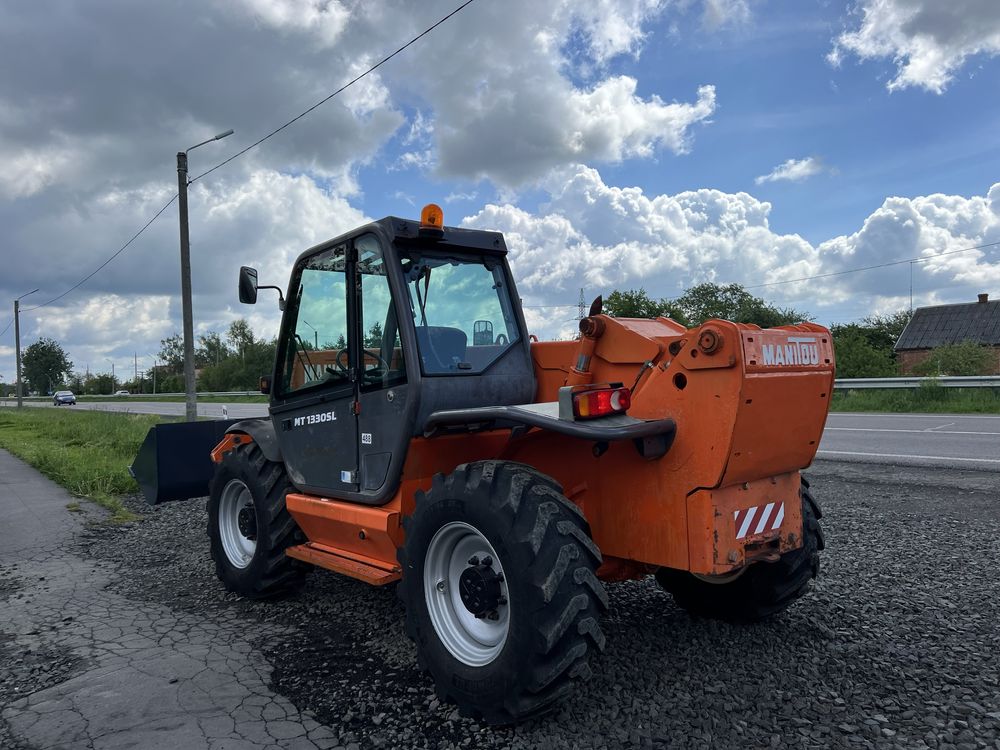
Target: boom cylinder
point(591, 329)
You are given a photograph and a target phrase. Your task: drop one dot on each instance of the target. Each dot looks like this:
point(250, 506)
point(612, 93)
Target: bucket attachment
point(174, 461)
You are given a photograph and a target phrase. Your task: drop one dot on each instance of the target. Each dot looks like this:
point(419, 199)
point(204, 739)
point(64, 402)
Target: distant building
point(950, 324)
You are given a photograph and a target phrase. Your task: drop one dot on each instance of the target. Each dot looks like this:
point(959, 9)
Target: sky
point(617, 144)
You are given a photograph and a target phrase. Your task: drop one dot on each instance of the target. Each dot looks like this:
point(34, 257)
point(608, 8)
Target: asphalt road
point(960, 441)
point(963, 441)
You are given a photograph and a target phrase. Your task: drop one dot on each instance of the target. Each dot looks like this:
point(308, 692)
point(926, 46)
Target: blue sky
point(617, 144)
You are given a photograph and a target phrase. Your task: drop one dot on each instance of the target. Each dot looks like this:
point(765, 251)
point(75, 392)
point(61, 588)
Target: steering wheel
point(341, 360)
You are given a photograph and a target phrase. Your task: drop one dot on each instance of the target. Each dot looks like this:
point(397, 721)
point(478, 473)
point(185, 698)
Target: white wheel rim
point(239, 548)
point(473, 641)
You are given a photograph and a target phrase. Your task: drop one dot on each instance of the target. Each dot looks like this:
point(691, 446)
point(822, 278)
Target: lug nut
point(487, 561)
point(473, 560)
point(494, 615)
point(502, 600)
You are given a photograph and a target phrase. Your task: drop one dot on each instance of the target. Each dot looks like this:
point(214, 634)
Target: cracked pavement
point(102, 671)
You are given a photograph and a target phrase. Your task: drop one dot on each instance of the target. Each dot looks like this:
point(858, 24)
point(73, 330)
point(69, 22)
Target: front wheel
point(249, 527)
point(759, 591)
point(500, 592)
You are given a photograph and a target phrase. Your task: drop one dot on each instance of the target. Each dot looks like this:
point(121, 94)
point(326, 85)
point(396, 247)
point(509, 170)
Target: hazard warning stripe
point(758, 519)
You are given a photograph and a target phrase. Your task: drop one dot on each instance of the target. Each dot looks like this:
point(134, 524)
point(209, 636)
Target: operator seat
point(441, 348)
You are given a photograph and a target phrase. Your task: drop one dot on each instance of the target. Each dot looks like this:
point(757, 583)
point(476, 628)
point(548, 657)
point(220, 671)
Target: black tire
point(544, 548)
point(269, 572)
point(764, 589)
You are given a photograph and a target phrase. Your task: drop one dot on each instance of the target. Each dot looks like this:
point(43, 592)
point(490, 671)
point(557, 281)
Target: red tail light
point(600, 402)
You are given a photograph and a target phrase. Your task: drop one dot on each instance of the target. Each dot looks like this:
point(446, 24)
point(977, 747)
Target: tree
point(858, 358)
point(45, 365)
point(240, 336)
point(633, 303)
point(733, 302)
point(172, 353)
point(884, 330)
point(967, 358)
point(211, 350)
point(374, 338)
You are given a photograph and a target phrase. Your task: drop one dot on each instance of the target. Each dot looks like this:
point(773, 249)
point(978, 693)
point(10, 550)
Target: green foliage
point(211, 350)
point(701, 303)
point(374, 338)
point(44, 365)
point(633, 303)
point(856, 357)
point(967, 358)
point(929, 398)
point(86, 452)
point(172, 352)
point(733, 302)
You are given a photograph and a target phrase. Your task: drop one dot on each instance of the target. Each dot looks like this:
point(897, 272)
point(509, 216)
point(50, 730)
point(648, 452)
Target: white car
point(121, 393)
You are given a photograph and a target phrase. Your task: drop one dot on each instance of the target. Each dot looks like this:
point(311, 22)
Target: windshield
point(461, 310)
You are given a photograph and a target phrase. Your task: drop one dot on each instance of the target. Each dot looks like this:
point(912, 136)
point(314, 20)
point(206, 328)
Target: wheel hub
point(479, 589)
point(247, 522)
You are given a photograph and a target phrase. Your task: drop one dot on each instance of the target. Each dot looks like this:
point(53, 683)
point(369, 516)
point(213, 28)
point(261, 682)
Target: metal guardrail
point(972, 381)
point(141, 396)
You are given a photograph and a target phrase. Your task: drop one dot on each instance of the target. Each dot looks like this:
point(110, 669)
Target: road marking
point(920, 432)
point(903, 455)
point(933, 429)
point(884, 415)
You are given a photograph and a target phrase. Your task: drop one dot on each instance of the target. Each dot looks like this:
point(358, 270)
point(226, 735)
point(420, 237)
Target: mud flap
point(174, 461)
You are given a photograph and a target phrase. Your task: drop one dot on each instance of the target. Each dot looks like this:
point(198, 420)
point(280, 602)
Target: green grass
point(86, 452)
point(928, 398)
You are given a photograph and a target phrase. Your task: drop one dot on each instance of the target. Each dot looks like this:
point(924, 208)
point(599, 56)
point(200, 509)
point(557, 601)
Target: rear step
point(337, 561)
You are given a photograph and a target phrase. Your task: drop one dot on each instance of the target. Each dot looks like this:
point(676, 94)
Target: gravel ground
point(896, 646)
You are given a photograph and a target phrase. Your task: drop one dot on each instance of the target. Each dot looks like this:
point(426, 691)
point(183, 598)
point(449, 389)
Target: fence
point(973, 381)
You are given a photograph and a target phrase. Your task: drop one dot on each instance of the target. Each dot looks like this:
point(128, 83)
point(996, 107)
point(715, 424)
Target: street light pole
point(315, 334)
point(17, 343)
point(190, 393)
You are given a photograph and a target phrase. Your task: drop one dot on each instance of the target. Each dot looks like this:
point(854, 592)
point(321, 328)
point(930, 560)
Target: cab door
point(316, 386)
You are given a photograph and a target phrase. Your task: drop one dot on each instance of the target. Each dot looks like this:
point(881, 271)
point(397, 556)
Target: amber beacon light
point(432, 220)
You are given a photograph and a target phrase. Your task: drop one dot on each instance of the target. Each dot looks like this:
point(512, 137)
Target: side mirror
point(248, 285)
point(265, 384)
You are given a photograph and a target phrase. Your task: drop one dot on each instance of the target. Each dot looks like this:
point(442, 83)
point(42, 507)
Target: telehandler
point(418, 433)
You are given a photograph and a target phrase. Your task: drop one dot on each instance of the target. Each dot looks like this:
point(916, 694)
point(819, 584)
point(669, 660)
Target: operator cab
point(382, 327)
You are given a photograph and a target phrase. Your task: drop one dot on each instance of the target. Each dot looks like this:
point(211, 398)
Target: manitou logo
point(800, 350)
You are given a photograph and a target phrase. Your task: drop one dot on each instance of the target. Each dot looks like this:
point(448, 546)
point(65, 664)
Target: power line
point(119, 252)
point(7, 327)
point(347, 85)
point(918, 259)
point(238, 154)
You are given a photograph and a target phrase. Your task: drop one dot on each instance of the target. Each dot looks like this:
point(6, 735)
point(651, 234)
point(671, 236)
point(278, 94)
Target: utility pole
point(190, 393)
point(17, 345)
point(583, 306)
point(135, 365)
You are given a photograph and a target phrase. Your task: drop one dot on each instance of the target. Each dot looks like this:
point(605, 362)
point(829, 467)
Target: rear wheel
point(249, 526)
point(762, 589)
point(500, 592)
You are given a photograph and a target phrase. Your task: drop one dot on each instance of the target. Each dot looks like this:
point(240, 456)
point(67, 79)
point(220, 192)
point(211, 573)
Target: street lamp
point(112, 375)
point(315, 334)
point(17, 343)
point(191, 398)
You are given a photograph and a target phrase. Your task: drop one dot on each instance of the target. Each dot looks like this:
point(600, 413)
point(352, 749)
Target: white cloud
point(722, 12)
point(601, 237)
point(325, 20)
point(927, 40)
point(793, 170)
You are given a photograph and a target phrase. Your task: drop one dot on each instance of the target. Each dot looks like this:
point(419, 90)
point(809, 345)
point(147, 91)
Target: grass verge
point(86, 452)
point(928, 398)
